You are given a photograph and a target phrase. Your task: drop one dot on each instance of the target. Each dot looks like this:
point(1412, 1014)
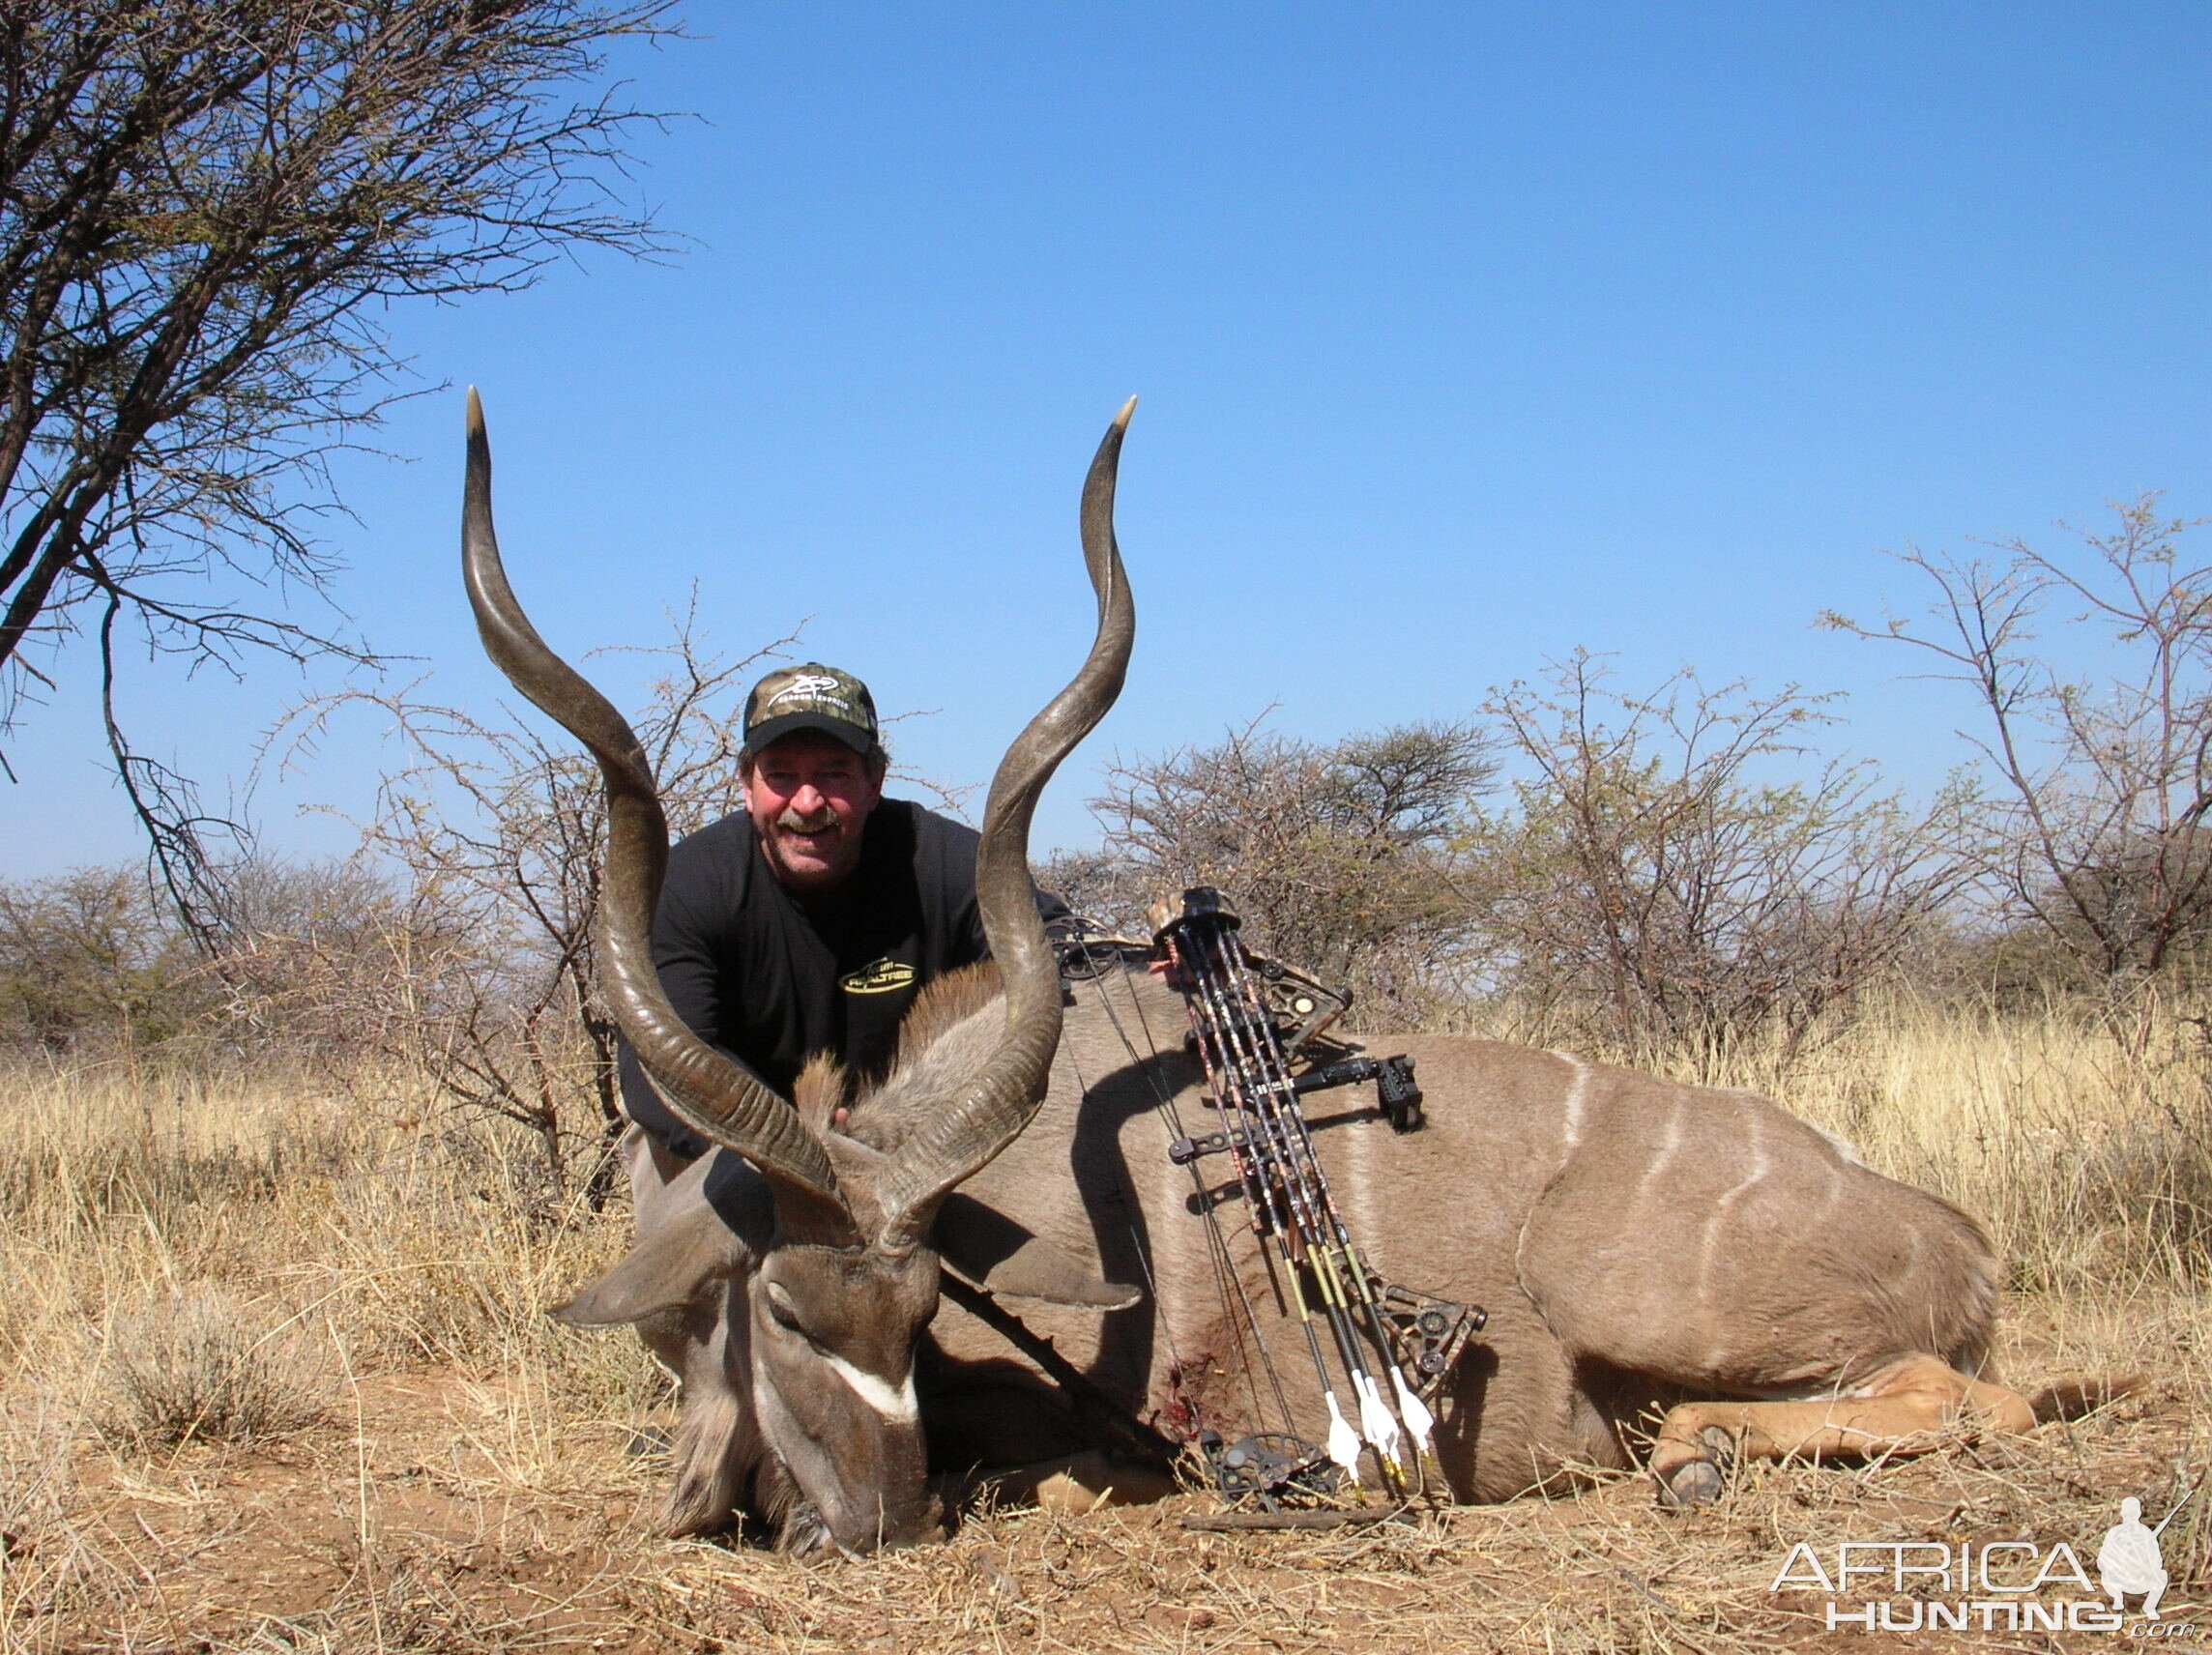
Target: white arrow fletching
point(1343, 1441)
point(1375, 1421)
point(1419, 1421)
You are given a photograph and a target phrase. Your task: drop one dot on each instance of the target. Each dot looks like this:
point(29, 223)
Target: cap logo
point(811, 686)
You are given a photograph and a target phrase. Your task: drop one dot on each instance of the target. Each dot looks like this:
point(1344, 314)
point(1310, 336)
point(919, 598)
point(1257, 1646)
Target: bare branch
point(1652, 891)
point(2096, 830)
point(205, 212)
point(500, 836)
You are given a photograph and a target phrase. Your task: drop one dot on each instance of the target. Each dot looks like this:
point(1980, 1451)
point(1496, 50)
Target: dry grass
point(2088, 1159)
point(198, 1365)
point(469, 1485)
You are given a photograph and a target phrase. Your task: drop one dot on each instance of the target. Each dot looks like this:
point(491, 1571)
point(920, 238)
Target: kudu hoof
point(1700, 1479)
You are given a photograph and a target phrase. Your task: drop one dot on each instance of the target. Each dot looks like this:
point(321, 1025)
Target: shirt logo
point(881, 977)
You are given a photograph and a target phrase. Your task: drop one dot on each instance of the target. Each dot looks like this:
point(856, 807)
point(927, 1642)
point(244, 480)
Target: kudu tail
point(2073, 1399)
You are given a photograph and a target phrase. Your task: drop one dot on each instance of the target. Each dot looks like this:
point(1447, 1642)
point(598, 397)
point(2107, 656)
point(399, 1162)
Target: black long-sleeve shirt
point(772, 981)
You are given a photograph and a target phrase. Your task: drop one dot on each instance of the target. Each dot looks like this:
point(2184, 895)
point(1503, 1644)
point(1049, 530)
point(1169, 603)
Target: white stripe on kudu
point(1669, 1142)
point(1575, 1098)
point(895, 1404)
point(1717, 1219)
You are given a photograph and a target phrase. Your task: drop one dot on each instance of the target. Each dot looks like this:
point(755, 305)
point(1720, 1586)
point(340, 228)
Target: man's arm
point(684, 928)
point(643, 1105)
point(1056, 914)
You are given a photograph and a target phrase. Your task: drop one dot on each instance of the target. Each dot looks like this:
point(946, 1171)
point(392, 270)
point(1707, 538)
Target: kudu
point(1641, 1246)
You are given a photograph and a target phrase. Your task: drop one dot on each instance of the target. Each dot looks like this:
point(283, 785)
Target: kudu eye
point(782, 1312)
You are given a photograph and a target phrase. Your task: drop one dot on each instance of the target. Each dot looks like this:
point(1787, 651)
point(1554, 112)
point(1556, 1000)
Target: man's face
point(809, 795)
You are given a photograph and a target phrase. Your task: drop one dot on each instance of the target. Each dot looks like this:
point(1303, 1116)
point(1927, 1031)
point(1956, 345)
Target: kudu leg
point(1907, 1407)
point(1071, 1484)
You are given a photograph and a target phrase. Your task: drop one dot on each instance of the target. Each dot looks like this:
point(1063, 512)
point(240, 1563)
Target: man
point(809, 921)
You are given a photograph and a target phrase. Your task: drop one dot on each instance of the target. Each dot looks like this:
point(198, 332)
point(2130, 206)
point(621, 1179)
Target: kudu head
point(832, 1293)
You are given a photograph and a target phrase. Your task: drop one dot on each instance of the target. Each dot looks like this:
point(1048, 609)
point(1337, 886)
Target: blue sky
point(1465, 335)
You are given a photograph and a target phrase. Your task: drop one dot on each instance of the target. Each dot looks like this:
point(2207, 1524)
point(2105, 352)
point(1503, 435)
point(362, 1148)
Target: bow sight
point(1254, 1025)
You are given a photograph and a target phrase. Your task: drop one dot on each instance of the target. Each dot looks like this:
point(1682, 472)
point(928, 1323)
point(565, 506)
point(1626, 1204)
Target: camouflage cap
point(810, 697)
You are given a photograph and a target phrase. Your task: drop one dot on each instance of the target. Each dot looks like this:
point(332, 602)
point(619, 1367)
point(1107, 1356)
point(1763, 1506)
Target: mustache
point(793, 822)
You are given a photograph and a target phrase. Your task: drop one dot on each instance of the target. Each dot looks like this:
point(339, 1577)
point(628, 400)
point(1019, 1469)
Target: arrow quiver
point(1380, 1350)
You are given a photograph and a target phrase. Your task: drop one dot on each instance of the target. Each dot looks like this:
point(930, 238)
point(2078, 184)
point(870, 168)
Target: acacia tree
point(204, 211)
point(92, 965)
point(87, 965)
point(310, 961)
point(1652, 889)
point(501, 833)
point(1338, 853)
point(2094, 831)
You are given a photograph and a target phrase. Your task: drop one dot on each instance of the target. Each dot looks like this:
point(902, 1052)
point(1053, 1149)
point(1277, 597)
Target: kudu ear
point(983, 1247)
point(669, 1270)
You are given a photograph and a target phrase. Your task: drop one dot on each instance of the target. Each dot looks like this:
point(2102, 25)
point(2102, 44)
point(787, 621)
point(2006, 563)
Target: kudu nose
point(925, 1526)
